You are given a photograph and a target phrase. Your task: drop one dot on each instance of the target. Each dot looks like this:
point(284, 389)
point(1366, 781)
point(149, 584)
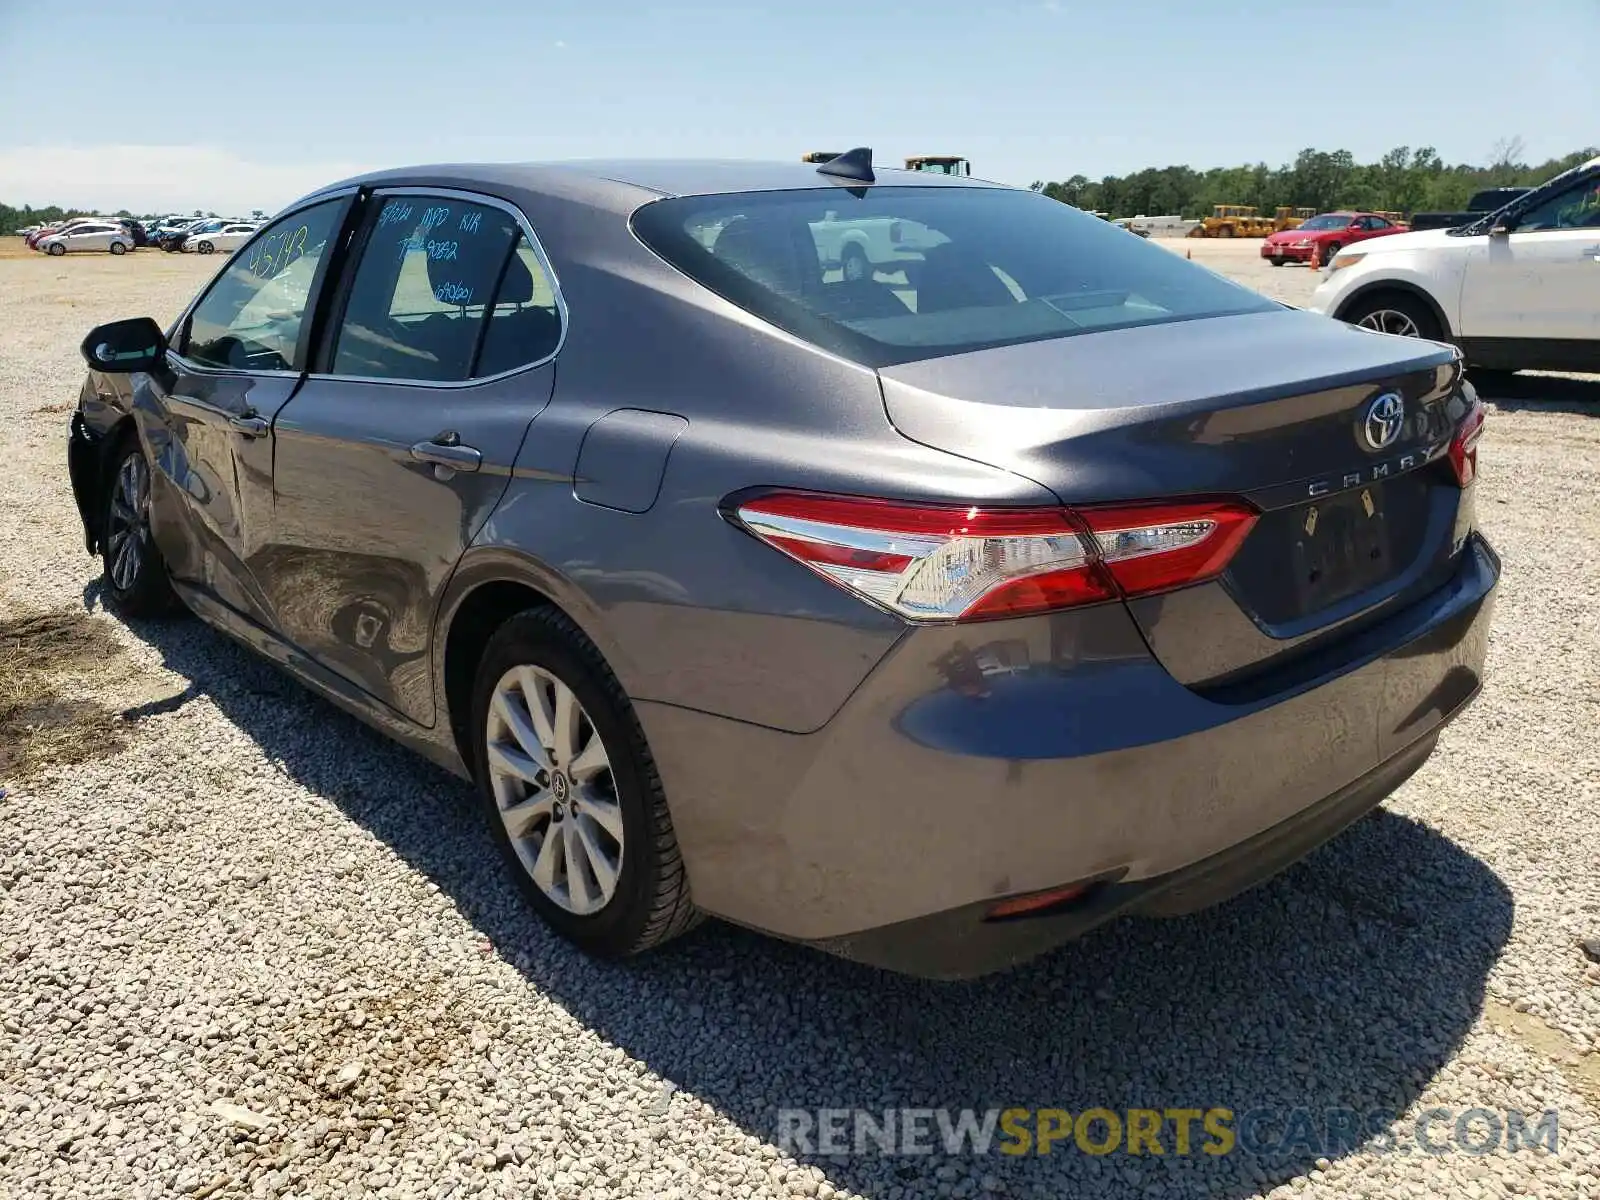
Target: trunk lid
point(1270, 406)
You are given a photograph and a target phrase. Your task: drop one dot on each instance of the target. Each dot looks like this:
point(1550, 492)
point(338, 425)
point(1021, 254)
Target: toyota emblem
point(1385, 416)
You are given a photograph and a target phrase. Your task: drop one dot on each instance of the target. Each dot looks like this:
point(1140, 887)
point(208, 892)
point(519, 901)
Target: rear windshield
point(890, 274)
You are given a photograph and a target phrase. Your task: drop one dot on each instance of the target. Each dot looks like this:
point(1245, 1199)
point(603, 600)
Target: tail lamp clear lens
point(962, 563)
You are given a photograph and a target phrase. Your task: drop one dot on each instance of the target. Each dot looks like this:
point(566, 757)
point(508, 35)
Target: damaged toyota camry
point(930, 613)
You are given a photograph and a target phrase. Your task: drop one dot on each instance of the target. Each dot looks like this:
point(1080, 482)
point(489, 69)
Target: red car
point(1329, 231)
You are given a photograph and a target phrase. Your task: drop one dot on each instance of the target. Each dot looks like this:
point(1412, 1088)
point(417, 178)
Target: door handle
point(249, 424)
point(446, 451)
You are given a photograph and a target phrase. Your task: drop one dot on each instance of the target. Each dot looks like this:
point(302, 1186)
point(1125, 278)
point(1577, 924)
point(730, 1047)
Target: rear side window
point(889, 274)
point(446, 290)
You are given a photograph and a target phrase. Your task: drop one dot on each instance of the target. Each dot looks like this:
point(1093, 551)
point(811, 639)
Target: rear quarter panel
point(689, 609)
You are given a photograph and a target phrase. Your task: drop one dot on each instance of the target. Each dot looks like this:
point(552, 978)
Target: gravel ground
point(258, 950)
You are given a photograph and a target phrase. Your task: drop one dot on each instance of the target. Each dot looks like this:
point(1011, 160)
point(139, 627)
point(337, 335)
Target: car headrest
point(952, 276)
point(765, 252)
point(468, 270)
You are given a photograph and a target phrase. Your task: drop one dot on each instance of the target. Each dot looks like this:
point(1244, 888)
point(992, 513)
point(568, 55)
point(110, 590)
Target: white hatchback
point(230, 237)
point(102, 236)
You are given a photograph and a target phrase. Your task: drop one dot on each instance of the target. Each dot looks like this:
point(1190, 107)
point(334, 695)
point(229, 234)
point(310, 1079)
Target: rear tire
point(1395, 312)
point(118, 248)
point(206, 248)
point(855, 264)
point(612, 896)
point(136, 580)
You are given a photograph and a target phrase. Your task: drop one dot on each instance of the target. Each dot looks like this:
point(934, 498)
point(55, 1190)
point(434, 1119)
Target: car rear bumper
point(963, 943)
point(986, 762)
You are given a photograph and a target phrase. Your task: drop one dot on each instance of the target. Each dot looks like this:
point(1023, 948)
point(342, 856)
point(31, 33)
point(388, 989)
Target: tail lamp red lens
point(1464, 446)
point(964, 563)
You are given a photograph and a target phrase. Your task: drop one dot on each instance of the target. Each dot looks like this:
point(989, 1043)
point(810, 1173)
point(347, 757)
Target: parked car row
point(205, 235)
point(118, 235)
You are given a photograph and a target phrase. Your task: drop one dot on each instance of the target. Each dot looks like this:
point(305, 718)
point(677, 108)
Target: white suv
point(1518, 288)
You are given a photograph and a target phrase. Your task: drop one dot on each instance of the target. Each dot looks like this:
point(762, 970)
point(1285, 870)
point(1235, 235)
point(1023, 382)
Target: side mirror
point(120, 347)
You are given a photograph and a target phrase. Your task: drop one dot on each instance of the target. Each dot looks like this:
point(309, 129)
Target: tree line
point(1405, 180)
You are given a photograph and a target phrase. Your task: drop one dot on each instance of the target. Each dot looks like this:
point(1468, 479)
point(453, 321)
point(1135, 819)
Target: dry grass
point(15, 247)
point(41, 655)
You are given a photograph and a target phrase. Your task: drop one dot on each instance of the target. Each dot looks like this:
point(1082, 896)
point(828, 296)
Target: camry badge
point(1385, 416)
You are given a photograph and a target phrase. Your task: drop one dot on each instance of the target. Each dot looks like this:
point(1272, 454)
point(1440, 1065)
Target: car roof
point(624, 184)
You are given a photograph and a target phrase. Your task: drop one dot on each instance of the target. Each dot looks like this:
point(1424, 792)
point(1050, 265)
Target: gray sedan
point(930, 608)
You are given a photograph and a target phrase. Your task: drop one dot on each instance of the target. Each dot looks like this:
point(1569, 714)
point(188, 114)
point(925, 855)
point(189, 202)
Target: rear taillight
point(965, 563)
point(1464, 446)
point(1158, 547)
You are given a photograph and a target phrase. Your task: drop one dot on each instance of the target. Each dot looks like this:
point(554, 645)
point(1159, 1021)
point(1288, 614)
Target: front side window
point(446, 290)
point(1575, 207)
point(890, 274)
point(252, 317)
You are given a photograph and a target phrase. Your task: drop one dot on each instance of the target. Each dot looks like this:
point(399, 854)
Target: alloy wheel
point(550, 773)
point(129, 523)
point(1389, 320)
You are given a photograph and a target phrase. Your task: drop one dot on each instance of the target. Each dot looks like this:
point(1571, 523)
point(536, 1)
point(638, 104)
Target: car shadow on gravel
point(1345, 984)
point(1542, 393)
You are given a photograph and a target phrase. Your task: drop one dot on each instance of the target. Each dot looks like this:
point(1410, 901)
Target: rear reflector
point(964, 563)
point(1464, 446)
point(1023, 906)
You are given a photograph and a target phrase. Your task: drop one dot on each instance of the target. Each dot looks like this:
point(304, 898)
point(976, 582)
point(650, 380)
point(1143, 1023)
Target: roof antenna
point(852, 164)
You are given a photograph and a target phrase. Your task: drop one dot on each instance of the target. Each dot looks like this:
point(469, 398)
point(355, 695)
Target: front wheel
point(56, 250)
point(571, 792)
point(1396, 313)
point(136, 579)
point(1276, 261)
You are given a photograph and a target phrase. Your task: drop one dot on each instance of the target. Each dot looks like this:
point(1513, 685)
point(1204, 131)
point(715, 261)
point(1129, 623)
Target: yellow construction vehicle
point(940, 164)
point(820, 156)
point(1291, 218)
point(1233, 220)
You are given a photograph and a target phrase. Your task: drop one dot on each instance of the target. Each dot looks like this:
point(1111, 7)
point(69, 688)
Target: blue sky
point(242, 105)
